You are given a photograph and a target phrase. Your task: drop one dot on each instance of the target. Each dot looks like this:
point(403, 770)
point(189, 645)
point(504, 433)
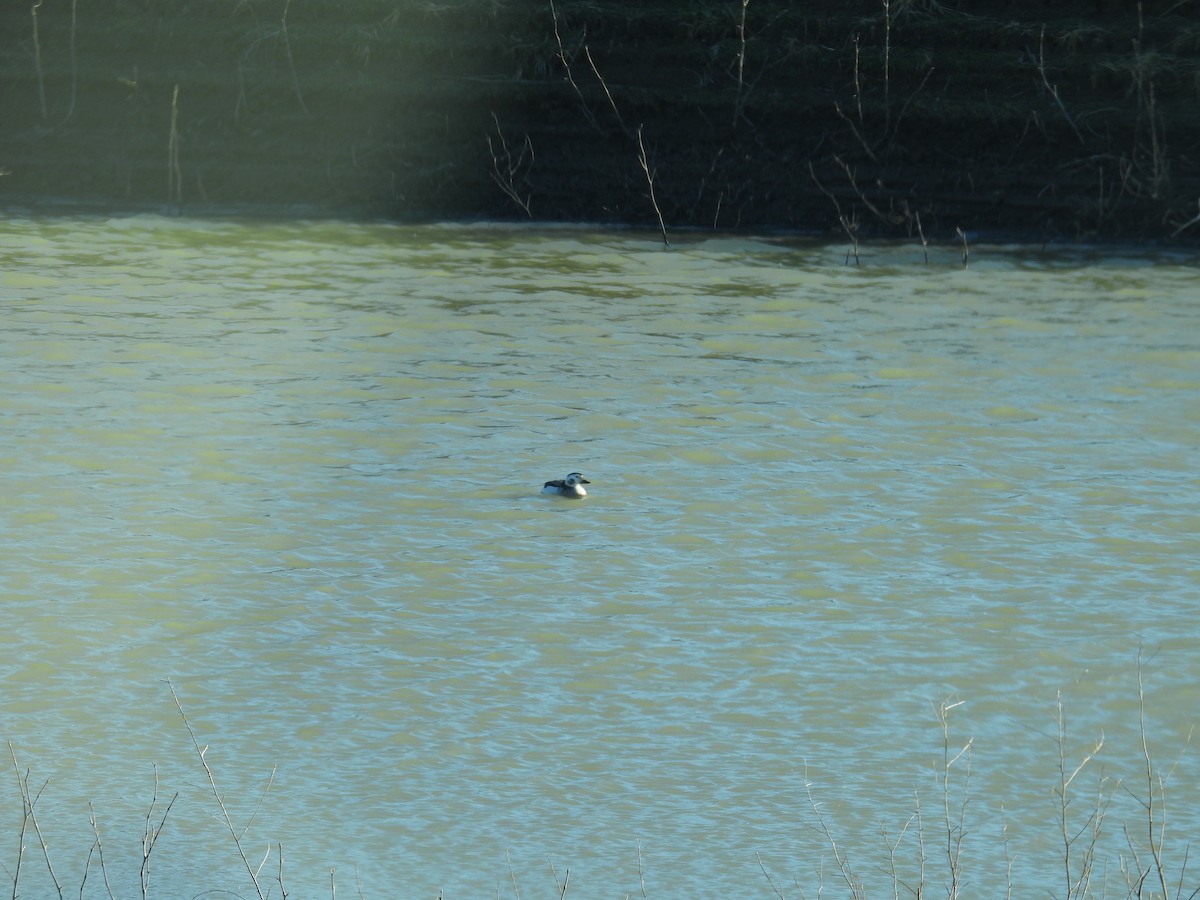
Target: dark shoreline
point(860, 121)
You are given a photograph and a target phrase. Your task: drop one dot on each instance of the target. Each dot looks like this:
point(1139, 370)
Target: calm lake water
point(295, 469)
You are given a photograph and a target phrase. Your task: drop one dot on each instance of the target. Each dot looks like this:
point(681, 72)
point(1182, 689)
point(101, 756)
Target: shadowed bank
point(896, 117)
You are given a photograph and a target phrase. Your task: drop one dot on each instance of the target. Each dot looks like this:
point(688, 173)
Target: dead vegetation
point(918, 117)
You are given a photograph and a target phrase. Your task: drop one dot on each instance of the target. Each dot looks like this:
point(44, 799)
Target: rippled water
point(296, 469)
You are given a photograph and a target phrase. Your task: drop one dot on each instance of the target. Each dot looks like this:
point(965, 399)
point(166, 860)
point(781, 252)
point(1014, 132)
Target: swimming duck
point(571, 486)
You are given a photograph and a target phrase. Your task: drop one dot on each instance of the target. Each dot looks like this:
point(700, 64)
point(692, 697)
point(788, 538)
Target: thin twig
point(645, 163)
point(29, 801)
point(512, 875)
point(849, 224)
point(509, 168)
point(924, 242)
point(857, 133)
point(1008, 856)
point(741, 65)
point(261, 798)
point(1156, 844)
point(217, 794)
point(42, 840)
point(174, 173)
point(1052, 89)
point(99, 848)
point(955, 825)
point(861, 195)
point(150, 836)
point(74, 65)
point(37, 58)
point(22, 783)
point(1077, 869)
point(857, 890)
point(778, 893)
point(562, 55)
point(282, 890)
point(920, 846)
point(604, 85)
point(892, 846)
point(1189, 223)
point(887, 64)
point(287, 46)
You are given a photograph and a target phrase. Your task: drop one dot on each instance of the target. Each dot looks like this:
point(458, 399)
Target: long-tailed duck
point(571, 486)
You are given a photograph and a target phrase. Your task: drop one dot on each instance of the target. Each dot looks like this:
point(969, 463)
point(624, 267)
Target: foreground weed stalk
point(149, 836)
point(955, 821)
point(560, 886)
point(1155, 809)
point(892, 846)
point(28, 816)
point(1078, 861)
point(97, 848)
point(212, 782)
point(512, 875)
point(840, 856)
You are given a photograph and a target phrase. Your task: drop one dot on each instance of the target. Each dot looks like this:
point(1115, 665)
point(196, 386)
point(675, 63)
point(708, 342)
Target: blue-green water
point(295, 468)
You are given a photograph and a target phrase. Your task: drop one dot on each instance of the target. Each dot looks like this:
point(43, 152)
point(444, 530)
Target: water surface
point(295, 468)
